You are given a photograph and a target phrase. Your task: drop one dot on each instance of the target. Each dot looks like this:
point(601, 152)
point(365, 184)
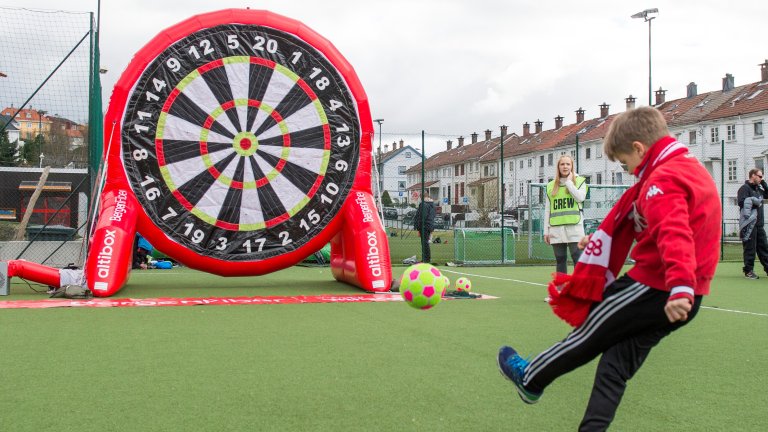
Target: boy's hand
point(677, 309)
point(584, 242)
point(546, 238)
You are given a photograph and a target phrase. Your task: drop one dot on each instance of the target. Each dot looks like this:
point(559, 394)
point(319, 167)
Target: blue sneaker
point(512, 366)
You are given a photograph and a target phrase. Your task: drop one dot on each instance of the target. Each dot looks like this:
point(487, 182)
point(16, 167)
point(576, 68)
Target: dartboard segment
point(241, 142)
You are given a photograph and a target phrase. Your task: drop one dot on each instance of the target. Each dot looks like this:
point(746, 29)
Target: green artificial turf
point(358, 366)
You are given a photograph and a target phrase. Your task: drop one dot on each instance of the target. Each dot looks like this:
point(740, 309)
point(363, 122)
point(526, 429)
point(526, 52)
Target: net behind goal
point(484, 246)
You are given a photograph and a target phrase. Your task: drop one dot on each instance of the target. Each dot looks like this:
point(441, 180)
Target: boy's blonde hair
point(644, 124)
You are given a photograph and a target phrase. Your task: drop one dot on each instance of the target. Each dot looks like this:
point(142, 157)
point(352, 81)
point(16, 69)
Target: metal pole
point(422, 204)
point(501, 177)
point(577, 153)
point(649, 62)
point(722, 196)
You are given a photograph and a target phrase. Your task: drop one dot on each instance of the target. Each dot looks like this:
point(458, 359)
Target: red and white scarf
point(571, 296)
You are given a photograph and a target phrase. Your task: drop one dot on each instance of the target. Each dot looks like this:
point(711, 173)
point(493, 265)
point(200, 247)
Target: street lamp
point(646, 15)
point(378, 186)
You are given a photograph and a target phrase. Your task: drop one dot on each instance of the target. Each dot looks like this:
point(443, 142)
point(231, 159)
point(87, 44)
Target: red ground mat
point(205, 301)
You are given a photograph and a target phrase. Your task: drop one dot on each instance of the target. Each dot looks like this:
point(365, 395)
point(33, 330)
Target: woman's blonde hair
point(557, 173)
point(645, 125)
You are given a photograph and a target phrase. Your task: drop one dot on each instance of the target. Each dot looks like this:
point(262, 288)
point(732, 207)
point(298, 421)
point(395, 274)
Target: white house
point(391, 166)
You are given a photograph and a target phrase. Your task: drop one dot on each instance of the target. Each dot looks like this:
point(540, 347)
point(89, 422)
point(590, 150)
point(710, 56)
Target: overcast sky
point(453, 67)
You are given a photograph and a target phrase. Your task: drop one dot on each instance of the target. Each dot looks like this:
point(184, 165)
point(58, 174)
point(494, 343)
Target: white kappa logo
point(653, 191)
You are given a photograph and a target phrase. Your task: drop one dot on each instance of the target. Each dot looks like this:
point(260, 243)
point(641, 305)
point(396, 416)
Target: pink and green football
point(422, 286)
point(463, 284)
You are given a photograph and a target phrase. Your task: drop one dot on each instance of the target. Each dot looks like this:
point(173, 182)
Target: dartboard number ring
point(240, 142)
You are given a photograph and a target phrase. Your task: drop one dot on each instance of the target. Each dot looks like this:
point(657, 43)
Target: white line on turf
point(541, 284)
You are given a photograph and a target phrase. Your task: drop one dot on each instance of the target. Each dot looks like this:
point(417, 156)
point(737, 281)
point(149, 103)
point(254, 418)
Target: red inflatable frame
point(359, 244)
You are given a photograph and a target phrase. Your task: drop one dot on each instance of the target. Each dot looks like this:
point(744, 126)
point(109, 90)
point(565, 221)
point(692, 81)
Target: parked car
point(408, 216)
point(509, 222)
point(590, 225)
point(442, 222)
point(390, 213)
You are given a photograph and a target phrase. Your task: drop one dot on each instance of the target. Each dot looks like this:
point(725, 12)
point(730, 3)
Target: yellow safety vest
point(563, 208)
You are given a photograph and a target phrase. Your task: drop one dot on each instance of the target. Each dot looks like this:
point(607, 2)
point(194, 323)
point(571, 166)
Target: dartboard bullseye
point(240, 142)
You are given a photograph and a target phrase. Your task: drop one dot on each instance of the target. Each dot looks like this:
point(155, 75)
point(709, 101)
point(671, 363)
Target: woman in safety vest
point(564, 225)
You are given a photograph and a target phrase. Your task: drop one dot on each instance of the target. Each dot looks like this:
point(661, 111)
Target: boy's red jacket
point(678, 223)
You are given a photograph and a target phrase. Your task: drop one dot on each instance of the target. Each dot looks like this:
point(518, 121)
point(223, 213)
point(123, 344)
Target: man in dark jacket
point(756, 243)
point(424, 223)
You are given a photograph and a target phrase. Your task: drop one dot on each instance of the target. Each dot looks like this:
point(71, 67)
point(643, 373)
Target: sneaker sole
point(525, 398)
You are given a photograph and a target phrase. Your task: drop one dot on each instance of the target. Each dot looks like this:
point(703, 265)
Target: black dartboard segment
point(241, 142)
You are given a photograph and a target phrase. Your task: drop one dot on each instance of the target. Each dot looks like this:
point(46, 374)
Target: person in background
point(141, 249)
point(753, 239)
point(563, 221)
point(424, 223)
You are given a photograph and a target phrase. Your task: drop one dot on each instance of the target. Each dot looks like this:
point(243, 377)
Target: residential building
point(31, 122)
point(724, 129)
point(391, 167)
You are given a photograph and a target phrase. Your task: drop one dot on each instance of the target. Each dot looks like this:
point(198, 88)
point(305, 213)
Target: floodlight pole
point(379, 186)
point(645, 15)
point(501, 178)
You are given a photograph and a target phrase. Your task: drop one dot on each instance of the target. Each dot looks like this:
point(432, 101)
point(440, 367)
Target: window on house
point(732, 170)
point(588, 153)
point(485, 171)
point(599, 178)
point(759, 164)
point(714, 134)
point(521, 164)
point(550, 157)
point(573, 154)
point(599, 151)
point(617, 178)
point(407, 155)
point(401, 185)
point(401, 169)
point(456, 170)
point(511, 166)
point(758, 127)
point(530, 162)
point(462, 169)
point(678, 136)
point(691, 137)
point(541, 160)
point(731, 132)
point(522, 188)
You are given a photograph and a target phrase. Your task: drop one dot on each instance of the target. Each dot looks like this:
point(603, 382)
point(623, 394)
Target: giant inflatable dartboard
point(240, 141)
point(237, 142)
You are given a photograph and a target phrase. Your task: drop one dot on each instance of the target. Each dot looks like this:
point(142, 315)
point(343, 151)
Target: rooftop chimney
point(728, 82)
point(764, 71)
point(386, 148)
point(461, 141)
point(503, 129)
point(538, 124)
point(691, 90)
point(526, 129)
point(474, 137)
point(660, 96)
point(449, 145)
point(558, 122)
point(579, 115)
point(630, 102)
point(401, 143)
point(487, 134)
point(604, 110)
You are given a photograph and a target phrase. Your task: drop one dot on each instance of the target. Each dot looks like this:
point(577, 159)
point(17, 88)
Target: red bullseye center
point(245, 144)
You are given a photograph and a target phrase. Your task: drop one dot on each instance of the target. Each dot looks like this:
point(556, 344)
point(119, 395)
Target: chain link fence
point(50, 124)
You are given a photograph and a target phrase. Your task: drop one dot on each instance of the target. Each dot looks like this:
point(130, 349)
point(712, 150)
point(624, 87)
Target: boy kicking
point(674, 215)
